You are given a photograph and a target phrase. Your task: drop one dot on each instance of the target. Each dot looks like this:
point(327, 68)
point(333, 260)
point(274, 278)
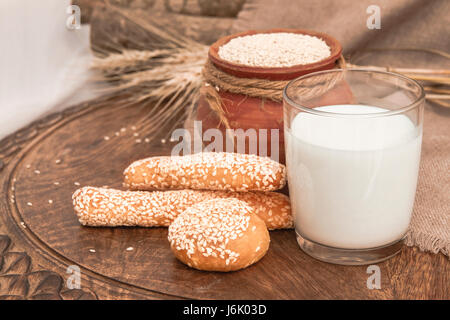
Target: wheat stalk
point(166, 76)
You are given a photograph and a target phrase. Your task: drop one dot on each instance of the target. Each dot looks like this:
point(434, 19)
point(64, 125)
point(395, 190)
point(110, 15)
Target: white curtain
point(43, 64)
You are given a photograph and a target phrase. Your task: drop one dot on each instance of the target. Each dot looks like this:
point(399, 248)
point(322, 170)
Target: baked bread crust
point(219, 235)
point(208, 171)
point(112, 208)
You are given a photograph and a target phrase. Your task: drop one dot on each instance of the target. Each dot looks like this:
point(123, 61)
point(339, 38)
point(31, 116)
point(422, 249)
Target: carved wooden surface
point(40, 236)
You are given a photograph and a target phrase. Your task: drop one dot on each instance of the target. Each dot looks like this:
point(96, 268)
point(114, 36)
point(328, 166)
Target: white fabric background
point(43, 64)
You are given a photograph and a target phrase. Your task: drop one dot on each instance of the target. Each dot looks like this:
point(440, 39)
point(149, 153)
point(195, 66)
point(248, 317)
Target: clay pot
point(243, 112)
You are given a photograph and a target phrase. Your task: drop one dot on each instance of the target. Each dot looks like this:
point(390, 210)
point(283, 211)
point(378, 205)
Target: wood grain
point(112, 29)
point(39, 241)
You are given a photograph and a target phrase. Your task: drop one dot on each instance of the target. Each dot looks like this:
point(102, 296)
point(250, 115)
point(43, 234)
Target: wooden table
point(40, 236)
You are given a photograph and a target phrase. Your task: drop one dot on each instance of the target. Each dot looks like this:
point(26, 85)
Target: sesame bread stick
point(207, 171)
point(113, 208)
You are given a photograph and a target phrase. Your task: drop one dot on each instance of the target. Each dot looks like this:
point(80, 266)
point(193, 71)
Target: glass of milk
point(353, 140)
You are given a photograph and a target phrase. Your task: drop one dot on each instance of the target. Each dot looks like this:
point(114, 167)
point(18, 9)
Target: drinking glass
point(353, 141)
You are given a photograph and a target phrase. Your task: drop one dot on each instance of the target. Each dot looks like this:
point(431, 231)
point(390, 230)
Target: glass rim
point(404, 109)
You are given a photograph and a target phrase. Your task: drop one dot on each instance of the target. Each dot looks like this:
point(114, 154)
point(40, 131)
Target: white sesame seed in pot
point(280, 49)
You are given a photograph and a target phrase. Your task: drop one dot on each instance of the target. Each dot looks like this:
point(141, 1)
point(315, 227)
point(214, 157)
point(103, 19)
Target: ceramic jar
point(244, 112)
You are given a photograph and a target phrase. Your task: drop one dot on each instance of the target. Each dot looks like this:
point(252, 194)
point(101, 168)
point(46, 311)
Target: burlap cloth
point(404, 23)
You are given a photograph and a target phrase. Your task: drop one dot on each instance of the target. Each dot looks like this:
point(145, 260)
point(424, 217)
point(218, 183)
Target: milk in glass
point(352, 179)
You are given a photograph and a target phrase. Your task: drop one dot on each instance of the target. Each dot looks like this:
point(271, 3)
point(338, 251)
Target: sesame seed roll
point(219, 235)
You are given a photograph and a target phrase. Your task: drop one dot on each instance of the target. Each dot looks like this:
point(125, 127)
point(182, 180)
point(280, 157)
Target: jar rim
point(275, 73)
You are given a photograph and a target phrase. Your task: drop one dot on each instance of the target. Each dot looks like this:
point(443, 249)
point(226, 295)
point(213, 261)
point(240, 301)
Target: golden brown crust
point(219, 235)
point(206, 171)
point(112, 208)
point(273, 208)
